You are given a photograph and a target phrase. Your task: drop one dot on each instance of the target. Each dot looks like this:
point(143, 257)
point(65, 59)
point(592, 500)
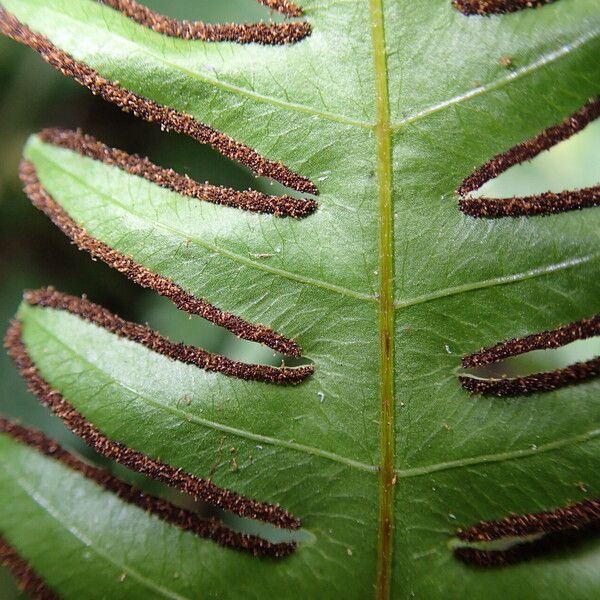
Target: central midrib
point(383, 134)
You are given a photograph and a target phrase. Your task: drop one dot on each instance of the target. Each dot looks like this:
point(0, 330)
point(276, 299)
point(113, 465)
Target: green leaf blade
point(458, 284)
point(105, 544)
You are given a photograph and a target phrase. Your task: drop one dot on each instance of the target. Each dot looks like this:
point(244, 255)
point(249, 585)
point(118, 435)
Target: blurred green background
point(33, 253)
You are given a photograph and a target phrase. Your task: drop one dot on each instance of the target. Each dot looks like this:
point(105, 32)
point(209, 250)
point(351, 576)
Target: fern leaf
point(375, 464)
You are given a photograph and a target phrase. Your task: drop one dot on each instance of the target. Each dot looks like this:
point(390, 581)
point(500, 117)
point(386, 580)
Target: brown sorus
point(540, 204)
point(553, 338)
point(134, 460)
point(168, 118)
point(144, 277)
point(520, 552)
point(86, 145)
point(559, 528)
point(28, 580)
point(538, 382)
point(490, 7)
point(259, 33)
point(572, 516)
point(547, 203)
point(140, 334)
point(174, 515)
point(285, 7)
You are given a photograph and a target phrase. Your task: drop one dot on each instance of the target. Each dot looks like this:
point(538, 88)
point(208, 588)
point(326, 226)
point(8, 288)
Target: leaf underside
point(458, 284)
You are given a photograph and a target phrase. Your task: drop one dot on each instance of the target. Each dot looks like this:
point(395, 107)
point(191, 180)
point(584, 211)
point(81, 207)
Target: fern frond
point(373, 467)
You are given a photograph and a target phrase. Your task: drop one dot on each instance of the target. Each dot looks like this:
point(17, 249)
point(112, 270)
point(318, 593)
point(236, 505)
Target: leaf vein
point(191, 418)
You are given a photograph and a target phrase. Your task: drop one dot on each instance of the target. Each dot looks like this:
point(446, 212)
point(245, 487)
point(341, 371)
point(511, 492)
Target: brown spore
point(553, 338)
point(547, 203)
point(246, 33)
point(143, 276)
point(559, 529)
point(572, 516)
point(86, 145)
point(140, 334)
point(537, 382)
point(493, 7)
point(285, 7)
point(174, 477)
point(28, 580)
point(184, 519)
point(148, 110)
point(548, 545)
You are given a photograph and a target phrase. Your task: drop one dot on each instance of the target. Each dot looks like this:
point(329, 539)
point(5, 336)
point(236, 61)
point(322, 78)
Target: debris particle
point(262, 255)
